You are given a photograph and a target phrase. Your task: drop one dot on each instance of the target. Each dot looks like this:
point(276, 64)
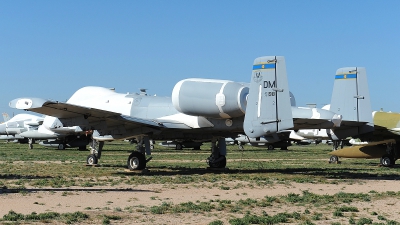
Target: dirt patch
point(132, 202)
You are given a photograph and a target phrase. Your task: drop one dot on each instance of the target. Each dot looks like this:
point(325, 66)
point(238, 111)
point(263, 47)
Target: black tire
point(240, 147)
point(178, 146)
point(91, 160)
point(219, 164)
point(61, 146)
point(136, 161)
point(270, 147)
point(334, 159)
point(387, 160)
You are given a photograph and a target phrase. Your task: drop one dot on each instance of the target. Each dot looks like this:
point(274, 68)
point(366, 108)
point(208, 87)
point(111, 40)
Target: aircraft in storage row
point(199, 110)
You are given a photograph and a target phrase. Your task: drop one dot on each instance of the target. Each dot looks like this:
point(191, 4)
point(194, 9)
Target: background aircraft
point(381, 144)
point(179, 145)
point(12, 128)
point(61, 138)
point(281, 140)
point(200, 110)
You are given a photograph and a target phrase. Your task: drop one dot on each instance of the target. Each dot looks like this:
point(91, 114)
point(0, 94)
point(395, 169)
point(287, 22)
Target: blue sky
point(49, 49)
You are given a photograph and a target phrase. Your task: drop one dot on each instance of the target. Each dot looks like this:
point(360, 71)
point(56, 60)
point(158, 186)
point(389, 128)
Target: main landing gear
point(137, 159)
point(217, 158)
point(334, 159)
point(390, 157)
point(30, 143)
point(95, 152)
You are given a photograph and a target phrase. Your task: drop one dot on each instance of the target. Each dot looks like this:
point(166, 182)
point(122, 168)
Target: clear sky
point(49, 49)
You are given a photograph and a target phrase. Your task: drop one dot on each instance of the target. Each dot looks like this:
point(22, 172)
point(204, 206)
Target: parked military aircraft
point(382, 144)
point(350, 98)
point(200, 109)
point(60, 138)
point(12, 128)
point(351, 84)
point(179, 145)
point(281, 140)
point(353, 87)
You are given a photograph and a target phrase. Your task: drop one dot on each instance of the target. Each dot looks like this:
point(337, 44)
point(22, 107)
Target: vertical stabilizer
point(350, 98)
point(268, 106)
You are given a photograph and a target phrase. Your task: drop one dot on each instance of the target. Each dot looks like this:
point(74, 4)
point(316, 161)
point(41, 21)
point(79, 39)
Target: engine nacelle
point(210, 98)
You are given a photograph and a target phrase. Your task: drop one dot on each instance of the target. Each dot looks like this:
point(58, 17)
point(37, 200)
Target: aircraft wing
point(106, 122)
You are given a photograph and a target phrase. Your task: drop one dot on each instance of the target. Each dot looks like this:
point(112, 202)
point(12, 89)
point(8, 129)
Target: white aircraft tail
point(350, 98)
point(6, 117)
point(268, 107)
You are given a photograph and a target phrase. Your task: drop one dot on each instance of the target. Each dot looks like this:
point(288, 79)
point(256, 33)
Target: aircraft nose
point(3, 128)
point(337, 120)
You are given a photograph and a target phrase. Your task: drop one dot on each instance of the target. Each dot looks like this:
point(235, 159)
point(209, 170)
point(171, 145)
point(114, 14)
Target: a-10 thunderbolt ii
point(350, 84)
point(199, 110)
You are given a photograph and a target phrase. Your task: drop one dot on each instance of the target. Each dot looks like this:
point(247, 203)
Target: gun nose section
point(337, 120)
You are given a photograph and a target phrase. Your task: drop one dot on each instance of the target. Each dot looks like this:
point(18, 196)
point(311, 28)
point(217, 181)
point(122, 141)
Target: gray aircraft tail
point(350, 98)
point(268, 107)
point(6, 117)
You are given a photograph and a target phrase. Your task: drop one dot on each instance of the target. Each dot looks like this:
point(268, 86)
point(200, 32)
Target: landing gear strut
point(61, 146)
point(137, 159)
point(30, 142)
point(389, 159)
point(95, 152)
point(217, 158)
point(336, 144)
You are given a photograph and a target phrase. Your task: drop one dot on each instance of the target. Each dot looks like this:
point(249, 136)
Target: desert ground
point(297, 186)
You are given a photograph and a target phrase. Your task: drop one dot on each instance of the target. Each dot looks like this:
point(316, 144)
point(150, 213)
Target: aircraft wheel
point(220, 164)
point(151, 147)
point(178, 146)
point(387, 160)
point(270, 147)
point(61, 146)
point(136, 161)
point(334, 159)
point(91, 160)
point(241, 147)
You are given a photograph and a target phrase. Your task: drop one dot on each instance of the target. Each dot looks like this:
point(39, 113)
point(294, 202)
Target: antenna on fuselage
point(143, 91)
